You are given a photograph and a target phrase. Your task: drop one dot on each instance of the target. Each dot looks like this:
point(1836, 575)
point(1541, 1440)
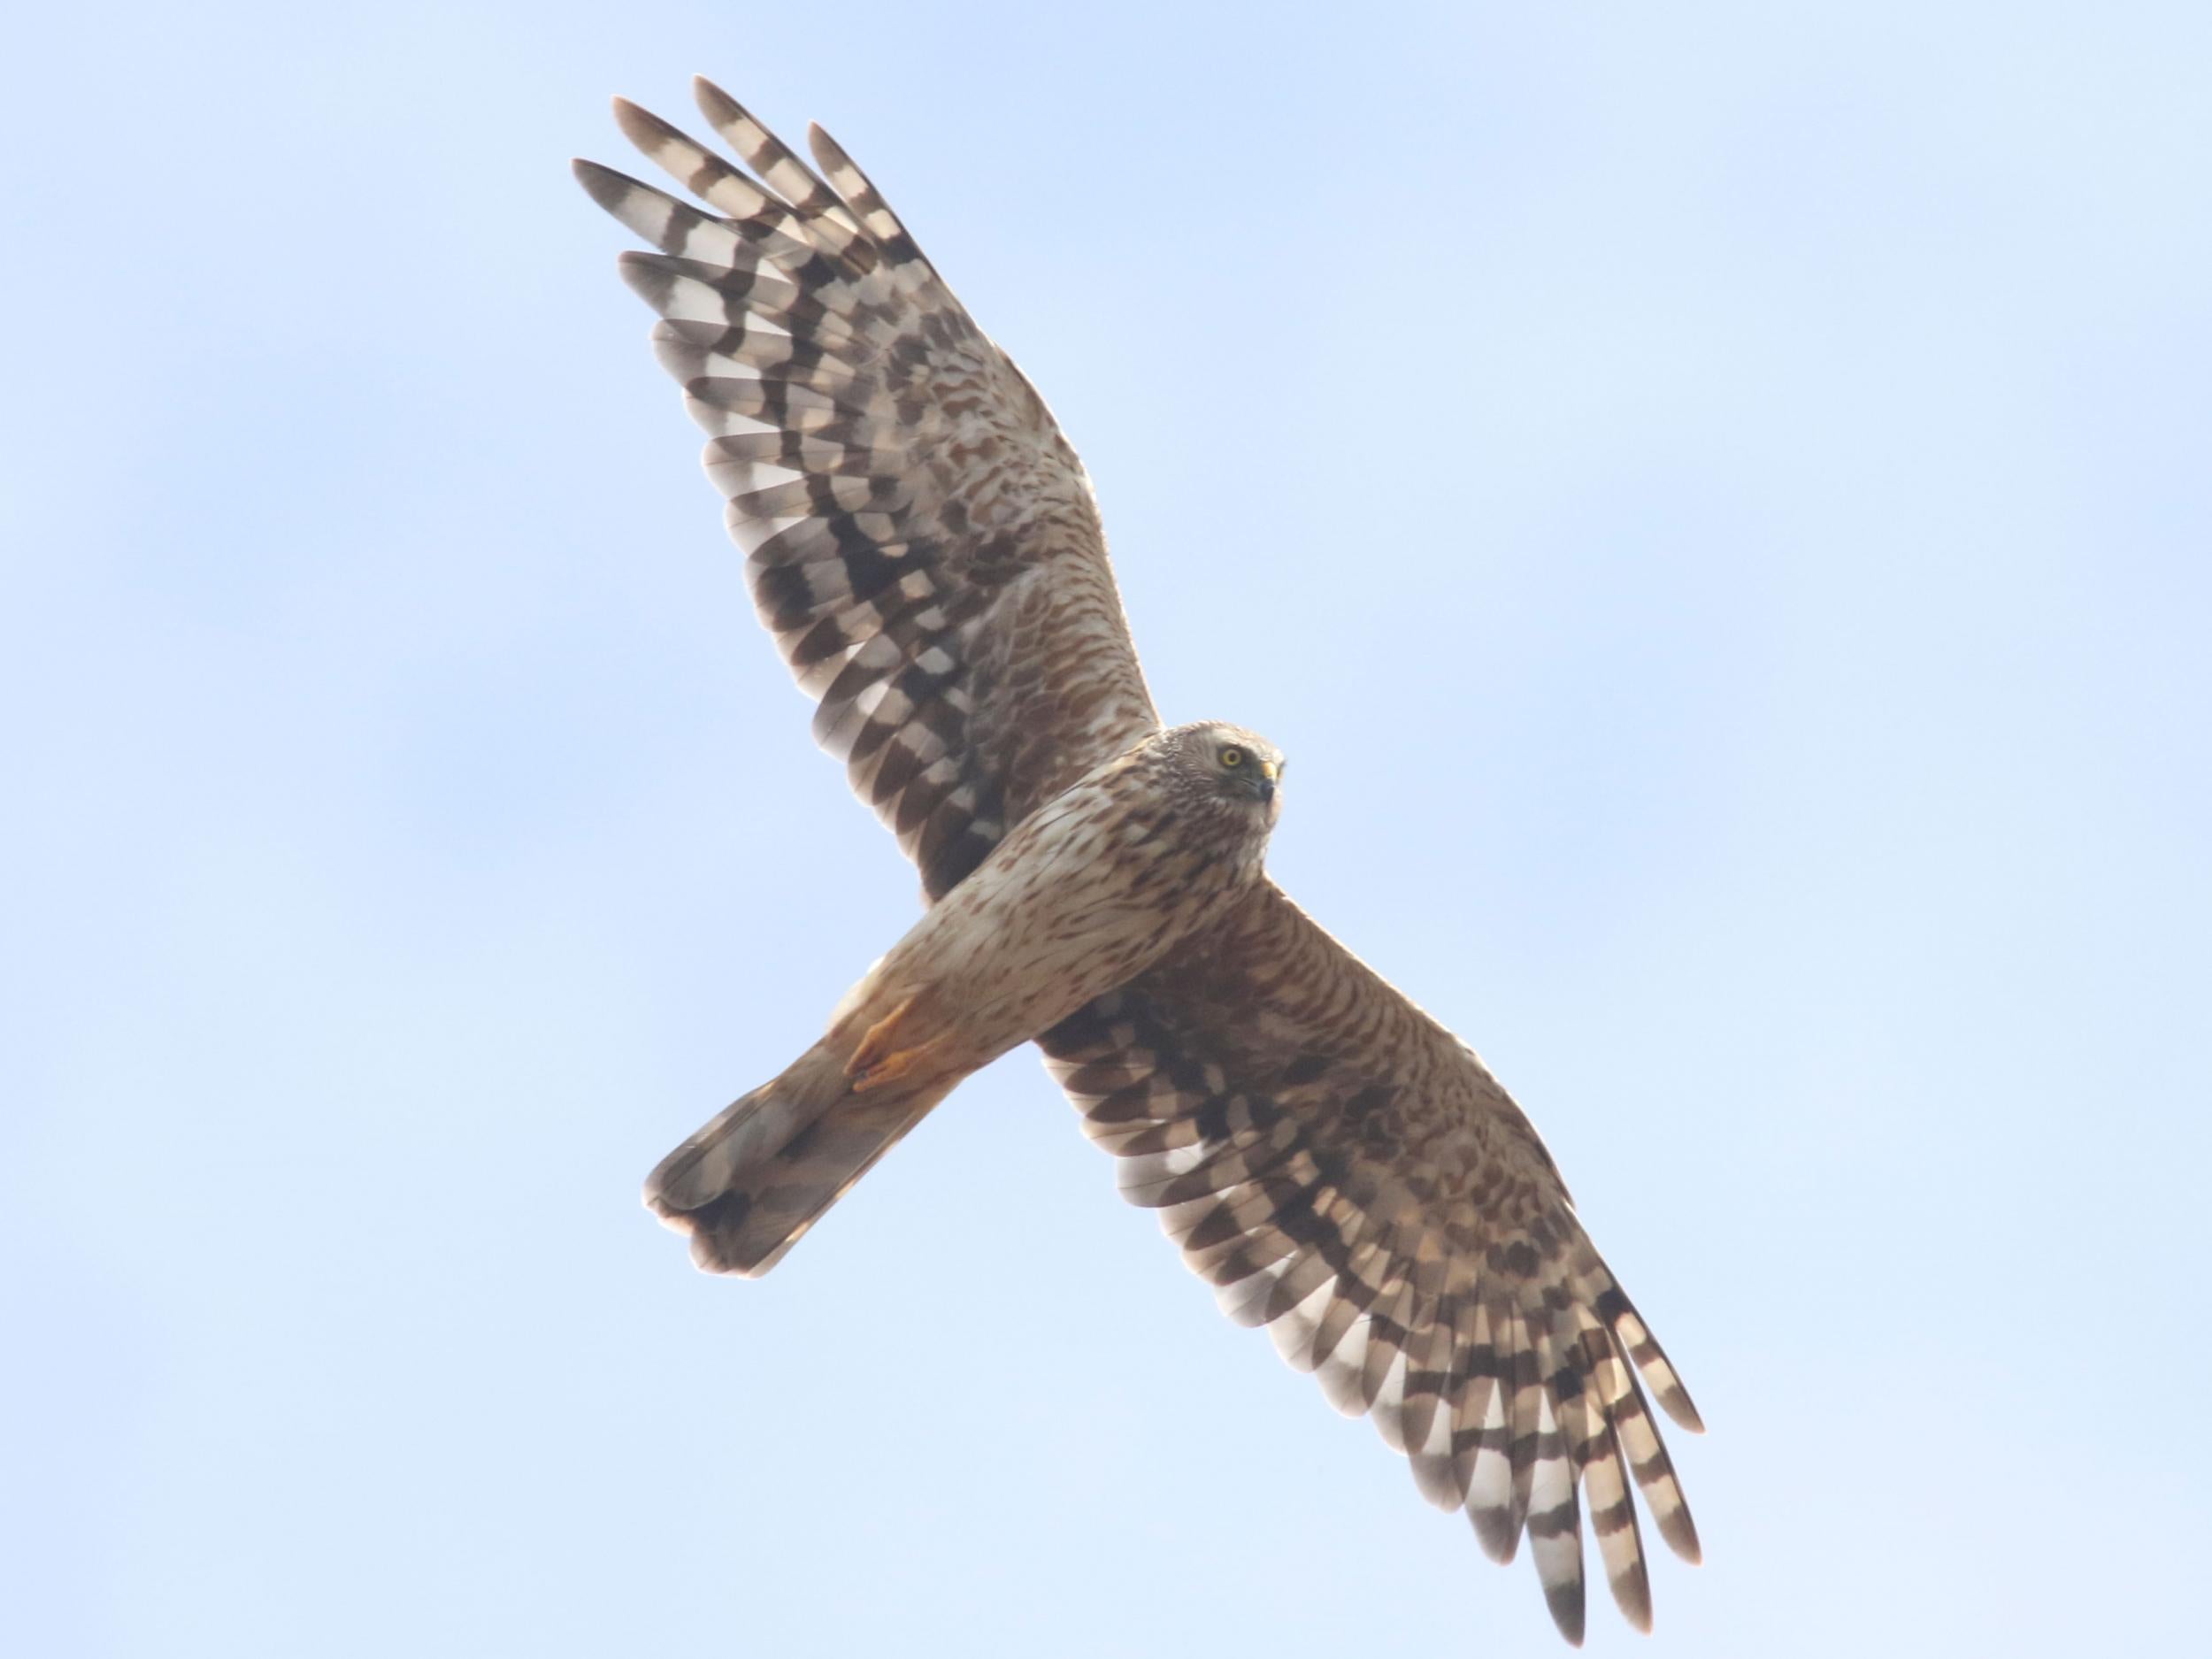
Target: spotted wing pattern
point(921, 539)
point(1345, 1172)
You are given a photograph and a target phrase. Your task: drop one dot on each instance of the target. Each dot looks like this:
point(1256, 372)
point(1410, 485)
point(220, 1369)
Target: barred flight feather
point(921, 540)
point(1345, 1172)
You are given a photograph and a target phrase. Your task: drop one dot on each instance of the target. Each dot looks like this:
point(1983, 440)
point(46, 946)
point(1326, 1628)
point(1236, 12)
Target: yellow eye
point(1233, 757)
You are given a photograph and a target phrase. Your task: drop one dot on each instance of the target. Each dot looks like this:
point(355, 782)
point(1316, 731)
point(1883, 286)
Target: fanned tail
point(749, 1184)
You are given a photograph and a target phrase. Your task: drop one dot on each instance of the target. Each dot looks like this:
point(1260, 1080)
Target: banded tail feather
point(748, 1185)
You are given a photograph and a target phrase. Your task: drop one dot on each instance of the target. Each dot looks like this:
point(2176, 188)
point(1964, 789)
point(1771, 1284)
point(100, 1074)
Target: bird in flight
point(923, 544)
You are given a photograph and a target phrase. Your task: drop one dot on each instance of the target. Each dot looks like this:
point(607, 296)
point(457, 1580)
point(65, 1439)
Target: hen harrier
point(923, 544)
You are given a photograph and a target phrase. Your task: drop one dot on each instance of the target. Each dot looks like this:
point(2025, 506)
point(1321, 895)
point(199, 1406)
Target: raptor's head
point(1226, 768)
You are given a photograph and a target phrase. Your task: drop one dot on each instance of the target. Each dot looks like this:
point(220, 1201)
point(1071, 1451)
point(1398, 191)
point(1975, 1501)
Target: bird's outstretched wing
point(921, 539)
point(1345, 1172)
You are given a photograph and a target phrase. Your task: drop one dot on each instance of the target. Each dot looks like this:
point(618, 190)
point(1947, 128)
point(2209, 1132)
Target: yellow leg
point(880, 1059)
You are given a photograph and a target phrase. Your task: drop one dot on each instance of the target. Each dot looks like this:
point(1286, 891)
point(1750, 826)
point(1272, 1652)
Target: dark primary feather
point(921, 541)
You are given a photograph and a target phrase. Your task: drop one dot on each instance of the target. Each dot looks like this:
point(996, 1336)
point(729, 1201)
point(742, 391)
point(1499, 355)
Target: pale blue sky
point(1715, 499)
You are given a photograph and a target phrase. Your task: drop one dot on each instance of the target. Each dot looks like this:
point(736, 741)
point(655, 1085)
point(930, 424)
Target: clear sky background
point(1717, 500)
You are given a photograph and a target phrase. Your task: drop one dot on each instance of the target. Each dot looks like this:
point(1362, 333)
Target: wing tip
point(1675, 1400)
point(603, 183)
point(640, 124)
point(645, 276)
point(829, 154)
point(1569, 1608)
point(1496, 1532)
point(1681, 1531)
point(1632, 1594)
point(715, 104)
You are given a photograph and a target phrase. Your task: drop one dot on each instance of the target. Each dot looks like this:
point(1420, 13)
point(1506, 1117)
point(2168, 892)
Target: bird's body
point(1085, 894)
point(923, 545)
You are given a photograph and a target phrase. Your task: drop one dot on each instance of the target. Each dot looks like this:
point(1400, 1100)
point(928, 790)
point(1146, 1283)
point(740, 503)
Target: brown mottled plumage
point(922, 542)
point(1085, 894)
